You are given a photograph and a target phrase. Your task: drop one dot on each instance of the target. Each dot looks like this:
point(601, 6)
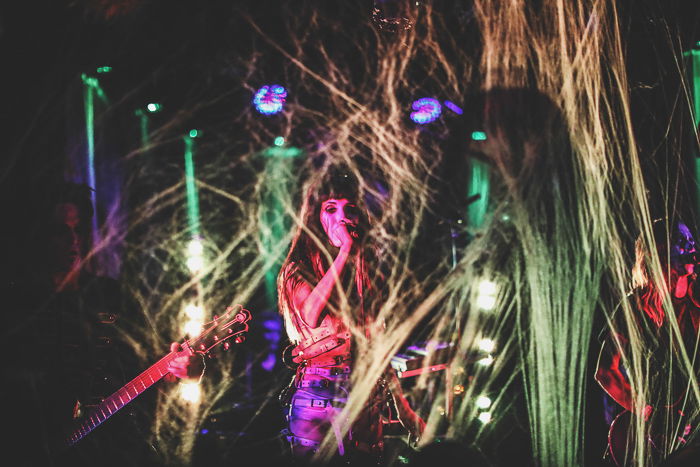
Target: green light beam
point(191, 187)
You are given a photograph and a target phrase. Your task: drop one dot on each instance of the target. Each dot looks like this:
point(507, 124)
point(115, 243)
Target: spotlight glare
point(192, 327)
point(153, 107)
point(483, 402)
point(426, 109)
point(486, 361)
point(485, 417)
point(270, 99)
point(487, 345)
point(486, 297)
point(195, 263)
point(279, 141)
point(195, 247)
point(194, 312)
point(487, 287)
point(190, 392)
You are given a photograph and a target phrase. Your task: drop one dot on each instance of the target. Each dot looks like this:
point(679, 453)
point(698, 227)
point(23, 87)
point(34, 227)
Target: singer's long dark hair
point(310, 253)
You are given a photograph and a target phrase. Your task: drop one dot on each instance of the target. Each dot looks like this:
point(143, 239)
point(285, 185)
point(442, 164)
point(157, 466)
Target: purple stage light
point(270, 99)
point(426, 109)
point(453, 107)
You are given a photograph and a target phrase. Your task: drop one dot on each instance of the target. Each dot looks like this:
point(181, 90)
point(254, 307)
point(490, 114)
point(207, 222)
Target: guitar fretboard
point(110, 405)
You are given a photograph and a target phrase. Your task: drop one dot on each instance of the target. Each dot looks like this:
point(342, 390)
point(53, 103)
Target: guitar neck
point(110, 405)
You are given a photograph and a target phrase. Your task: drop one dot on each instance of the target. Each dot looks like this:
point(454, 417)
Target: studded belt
point(328, 371)
point(327, 361)
point(317, 403)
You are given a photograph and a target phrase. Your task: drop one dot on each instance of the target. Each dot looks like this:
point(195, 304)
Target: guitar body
point(622, 439)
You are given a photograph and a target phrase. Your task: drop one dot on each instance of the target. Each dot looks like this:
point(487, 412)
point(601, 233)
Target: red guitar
point(622, 432)
point(232, 324)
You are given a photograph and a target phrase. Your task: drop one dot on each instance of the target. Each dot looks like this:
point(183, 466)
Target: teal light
point(104, 69)
point(194, 133)
point(191, 189)
point(92, 83)
point(143, 120)
point(278, 151)
point(479, 183)
point(693, 66)
point(478, 136)
point(153, 107)
point(274, 221)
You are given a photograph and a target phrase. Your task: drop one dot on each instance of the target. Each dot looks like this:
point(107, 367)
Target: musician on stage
point(66, 331)
point(667, 378)
point(327, 279)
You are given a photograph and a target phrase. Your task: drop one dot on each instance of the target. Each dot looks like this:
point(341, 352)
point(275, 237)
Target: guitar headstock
point(232, 325)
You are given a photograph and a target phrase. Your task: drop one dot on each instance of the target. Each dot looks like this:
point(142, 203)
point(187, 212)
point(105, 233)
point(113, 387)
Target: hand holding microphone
point(352, 230)
point(346, 233)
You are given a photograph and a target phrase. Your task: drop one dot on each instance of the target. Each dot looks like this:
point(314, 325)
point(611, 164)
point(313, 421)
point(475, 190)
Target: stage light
point(192, 327)
point(279, 141)
point(270, 99)
point(486, 297)
point(426, 110)
point(195, 263)
point(194, 320)
point(191, 190)
point(458, 389)
point(191, 392)
point(195, 247)
point(195, 255)
point(487, 345)
point(194, 133)
point(453, 107)
point(486, 361)
point(104, 69)
point(485, 417)
point(478, 136)
point(194, 312)
point(153, 107)
point(483, 402)
point(487, 287)
point(282, 151)
point(486, 302)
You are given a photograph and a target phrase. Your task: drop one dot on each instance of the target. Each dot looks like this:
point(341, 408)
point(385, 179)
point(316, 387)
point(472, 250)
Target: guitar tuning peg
point(240, 339)
point(227, 345)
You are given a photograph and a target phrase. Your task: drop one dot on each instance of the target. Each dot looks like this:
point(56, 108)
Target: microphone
point(352, 229)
